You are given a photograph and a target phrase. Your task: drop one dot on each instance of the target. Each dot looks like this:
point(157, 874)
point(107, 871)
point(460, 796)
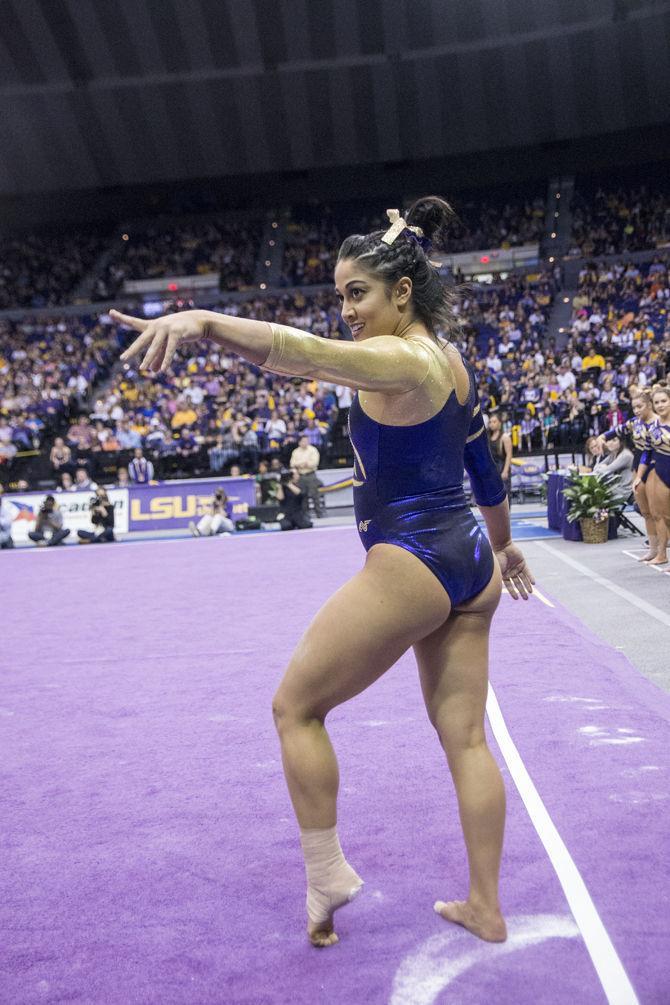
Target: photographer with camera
point(50, 519)
point(291, 499)
point(217, 521)
point(102, 518)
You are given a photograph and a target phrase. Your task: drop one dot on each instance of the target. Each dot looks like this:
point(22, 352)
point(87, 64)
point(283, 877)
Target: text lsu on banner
point(172, 505)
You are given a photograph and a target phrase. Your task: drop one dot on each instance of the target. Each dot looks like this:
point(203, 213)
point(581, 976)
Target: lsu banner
point(75, 507)
point(172, 505)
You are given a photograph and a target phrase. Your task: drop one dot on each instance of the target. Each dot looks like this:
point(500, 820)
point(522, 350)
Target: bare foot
point(320, 933)
point(648, 557)
point(659, 560)
point(489, 926)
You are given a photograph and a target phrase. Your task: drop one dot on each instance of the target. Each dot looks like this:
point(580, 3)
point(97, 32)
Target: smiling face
point(661, 402)
point(367, 305)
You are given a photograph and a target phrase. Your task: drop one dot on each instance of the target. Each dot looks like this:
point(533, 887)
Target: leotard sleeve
point(386, 363)
point(619, 431)
point(487, 485)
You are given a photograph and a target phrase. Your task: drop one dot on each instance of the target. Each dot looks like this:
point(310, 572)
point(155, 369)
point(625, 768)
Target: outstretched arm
point(386, 363)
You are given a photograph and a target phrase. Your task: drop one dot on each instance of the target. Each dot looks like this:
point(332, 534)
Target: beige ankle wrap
point(331, 881)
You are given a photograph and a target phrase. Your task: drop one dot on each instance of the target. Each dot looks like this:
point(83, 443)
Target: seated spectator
point(127, 438)
point(60, 456)
point(140, 470)
point(83, 482)
point(617, 460)
point(592, 359)
point(224, 451)
point(66, 483)
point(184, 416)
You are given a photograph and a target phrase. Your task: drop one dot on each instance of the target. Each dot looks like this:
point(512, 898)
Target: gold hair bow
point(398, 225)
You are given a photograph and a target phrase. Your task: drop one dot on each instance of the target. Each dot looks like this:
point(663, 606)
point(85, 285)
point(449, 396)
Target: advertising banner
point(172, 505)
point(75, 507)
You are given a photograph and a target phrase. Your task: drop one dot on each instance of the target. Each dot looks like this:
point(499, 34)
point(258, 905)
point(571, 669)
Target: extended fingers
point(154, 354)
point(170, 349)
point(519, 584)
point(137, 346)
point(139, 324)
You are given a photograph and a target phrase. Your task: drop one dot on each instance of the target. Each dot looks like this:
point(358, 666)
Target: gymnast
point(638, 429)
point(431, 579)
point(658, 470)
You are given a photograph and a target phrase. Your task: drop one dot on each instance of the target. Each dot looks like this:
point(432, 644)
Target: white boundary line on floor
point(663, 569)
point(620, 591)
point(541, 596)
point(610, 970)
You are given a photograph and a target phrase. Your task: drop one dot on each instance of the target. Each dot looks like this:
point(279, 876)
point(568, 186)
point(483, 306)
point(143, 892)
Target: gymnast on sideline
point(658, 481)
point(638, 428)
point(430, 578)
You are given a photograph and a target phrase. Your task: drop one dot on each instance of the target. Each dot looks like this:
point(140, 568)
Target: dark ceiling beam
point(511, 41)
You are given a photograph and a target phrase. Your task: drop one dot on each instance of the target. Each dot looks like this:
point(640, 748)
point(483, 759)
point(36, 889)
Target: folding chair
point(623, 521)
point(531, 481)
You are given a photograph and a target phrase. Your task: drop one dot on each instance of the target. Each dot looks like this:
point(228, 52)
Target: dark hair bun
point(434, 216)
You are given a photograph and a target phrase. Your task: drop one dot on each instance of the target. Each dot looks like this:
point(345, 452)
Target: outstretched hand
point(517, 577)
point(160, 339)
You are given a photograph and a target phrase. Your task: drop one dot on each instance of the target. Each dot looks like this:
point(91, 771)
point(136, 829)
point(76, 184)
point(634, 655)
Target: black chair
point(623, 521)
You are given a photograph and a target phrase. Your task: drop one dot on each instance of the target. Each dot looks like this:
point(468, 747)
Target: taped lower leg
point(331, 881)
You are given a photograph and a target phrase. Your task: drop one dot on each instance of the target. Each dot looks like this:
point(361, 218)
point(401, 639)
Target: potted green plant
point(592, 499)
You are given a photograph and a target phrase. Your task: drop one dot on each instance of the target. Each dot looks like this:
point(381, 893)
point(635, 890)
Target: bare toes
point(490, 928)
point(323, 939)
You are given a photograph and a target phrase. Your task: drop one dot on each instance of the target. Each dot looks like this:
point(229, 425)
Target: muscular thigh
point(641, 498)
point(453, 667)
point(362, 630)
point(659, 496)
point(656, 495)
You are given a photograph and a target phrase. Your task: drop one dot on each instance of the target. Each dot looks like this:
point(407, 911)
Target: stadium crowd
point(212, 413)
point(44, 271)
point(551, 398)
point(62, 391)
point(48, 368)
point(312, 237)
point(616, 221)
point(187, 249)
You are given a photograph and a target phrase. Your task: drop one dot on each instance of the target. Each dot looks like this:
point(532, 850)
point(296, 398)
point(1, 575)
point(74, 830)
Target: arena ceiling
point(115, 92)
